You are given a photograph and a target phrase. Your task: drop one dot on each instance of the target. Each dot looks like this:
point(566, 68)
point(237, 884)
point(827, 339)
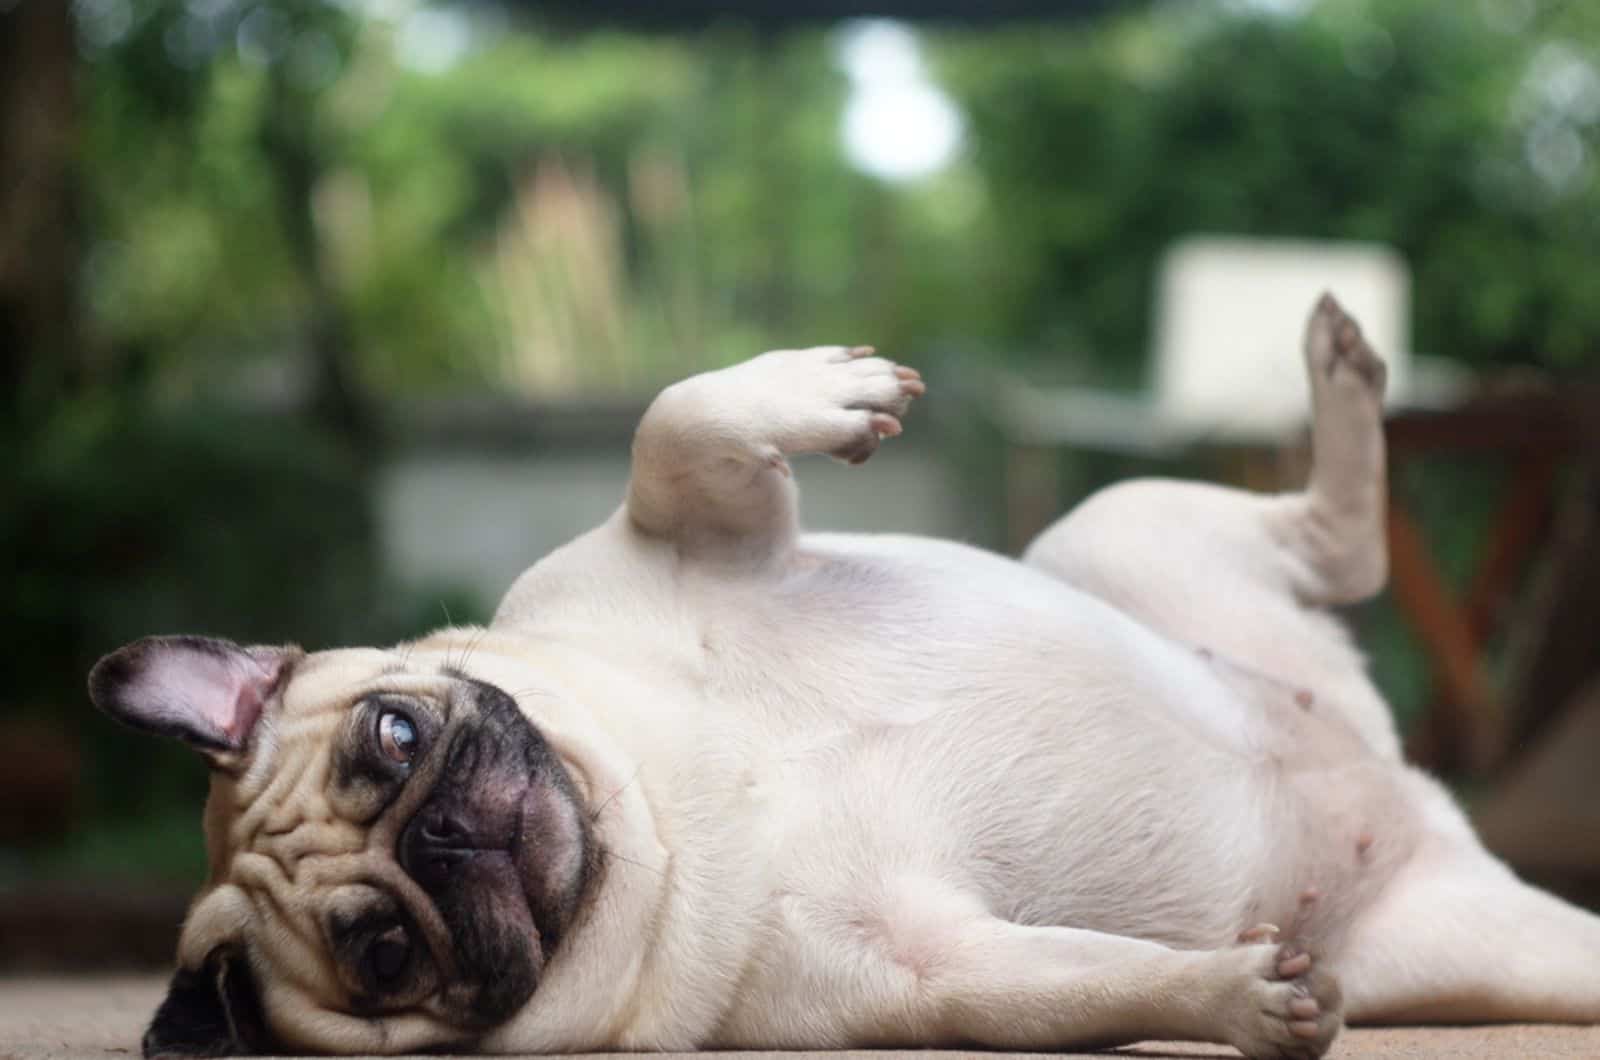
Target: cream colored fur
point(892, 791)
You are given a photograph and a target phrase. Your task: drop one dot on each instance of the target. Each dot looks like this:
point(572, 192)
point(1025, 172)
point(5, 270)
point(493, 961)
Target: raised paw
point(839, 400)
point(1287, 1007)
point(1335, 347)
point(882, 389)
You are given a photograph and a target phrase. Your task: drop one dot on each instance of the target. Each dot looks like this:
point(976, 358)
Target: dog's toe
point(1290, 1008)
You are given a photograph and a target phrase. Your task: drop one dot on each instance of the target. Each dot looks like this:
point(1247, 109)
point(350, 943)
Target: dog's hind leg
point(1336, 526)
point(1455, 937)
point(1322, 546)
point(1248, 576)
point(961, 976)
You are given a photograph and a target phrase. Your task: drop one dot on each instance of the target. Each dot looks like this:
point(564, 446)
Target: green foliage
point(708, 209)
point(187, 251)
point(120, 524)
point(1416, 124)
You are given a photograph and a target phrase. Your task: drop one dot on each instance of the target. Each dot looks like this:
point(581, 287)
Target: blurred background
point(320, 319)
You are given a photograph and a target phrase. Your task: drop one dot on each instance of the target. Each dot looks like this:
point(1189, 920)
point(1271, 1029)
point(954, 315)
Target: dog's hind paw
point(1284, 1006)
point(1335, 349)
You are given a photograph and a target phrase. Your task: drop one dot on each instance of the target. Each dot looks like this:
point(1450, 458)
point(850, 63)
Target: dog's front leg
point(709, 459)
point(1009, 986)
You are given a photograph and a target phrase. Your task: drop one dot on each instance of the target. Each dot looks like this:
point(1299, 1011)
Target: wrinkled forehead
point(285, 780)
point(255, 820)
point(318, 696)
point(296, 731)
point(327, 682)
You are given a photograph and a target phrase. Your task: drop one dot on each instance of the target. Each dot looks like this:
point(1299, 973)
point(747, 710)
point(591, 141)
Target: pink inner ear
point(221, 695)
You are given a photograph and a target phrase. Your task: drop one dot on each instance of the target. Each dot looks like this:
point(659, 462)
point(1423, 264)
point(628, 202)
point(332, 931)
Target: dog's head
point(395, 850)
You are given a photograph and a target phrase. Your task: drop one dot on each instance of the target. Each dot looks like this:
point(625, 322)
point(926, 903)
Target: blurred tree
point(267, 177)
point(203, 154)
point(295, 156)
point(1466, 140)
point(144, 490)
point(37, 127)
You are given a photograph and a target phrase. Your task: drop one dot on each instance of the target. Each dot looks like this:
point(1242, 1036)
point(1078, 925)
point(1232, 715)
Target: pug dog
point(709, 782)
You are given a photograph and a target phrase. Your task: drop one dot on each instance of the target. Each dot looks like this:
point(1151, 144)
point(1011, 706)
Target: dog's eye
point(397, 736)
point(386, 958)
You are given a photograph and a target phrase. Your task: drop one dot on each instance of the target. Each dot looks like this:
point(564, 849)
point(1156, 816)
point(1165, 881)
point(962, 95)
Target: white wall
point(475, 520)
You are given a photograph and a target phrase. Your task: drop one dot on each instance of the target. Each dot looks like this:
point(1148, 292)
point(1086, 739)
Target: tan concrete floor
point(85, 1017)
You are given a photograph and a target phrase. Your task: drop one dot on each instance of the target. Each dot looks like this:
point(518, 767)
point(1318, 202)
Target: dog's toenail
point(1305, 1007)
point(1303, 1028)
point(1269, 932)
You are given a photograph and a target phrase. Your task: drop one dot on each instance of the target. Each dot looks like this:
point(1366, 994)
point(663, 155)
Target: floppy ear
point(206, 692)
point(215, 1011)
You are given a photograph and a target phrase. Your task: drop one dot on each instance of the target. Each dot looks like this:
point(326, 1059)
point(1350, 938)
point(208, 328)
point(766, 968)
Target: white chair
point(1229, 314)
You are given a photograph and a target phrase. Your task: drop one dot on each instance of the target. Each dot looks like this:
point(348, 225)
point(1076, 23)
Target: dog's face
point(395, 851)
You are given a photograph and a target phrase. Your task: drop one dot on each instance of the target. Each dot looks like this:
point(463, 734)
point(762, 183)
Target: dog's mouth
point(500, 849)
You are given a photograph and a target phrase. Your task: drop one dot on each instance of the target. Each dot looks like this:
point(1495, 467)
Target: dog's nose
point(443, 829)
point(434, 845)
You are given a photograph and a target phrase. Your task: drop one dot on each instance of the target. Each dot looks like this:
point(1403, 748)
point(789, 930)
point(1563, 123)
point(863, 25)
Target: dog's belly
point(959, 714)
point(930, 625)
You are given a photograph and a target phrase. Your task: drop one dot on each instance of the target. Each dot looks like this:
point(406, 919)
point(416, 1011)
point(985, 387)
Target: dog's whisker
point(471, 646)
point(531, 690)
point(594, 815)
point(608, 852)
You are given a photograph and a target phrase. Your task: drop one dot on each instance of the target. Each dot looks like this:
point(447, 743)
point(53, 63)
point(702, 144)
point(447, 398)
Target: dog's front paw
point(1281, 1003)
point(839, 400)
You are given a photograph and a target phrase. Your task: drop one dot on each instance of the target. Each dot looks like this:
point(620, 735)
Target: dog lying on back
point(708, 781)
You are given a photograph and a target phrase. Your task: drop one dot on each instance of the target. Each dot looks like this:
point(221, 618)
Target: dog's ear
point(208, 693)
point(213, 1011)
